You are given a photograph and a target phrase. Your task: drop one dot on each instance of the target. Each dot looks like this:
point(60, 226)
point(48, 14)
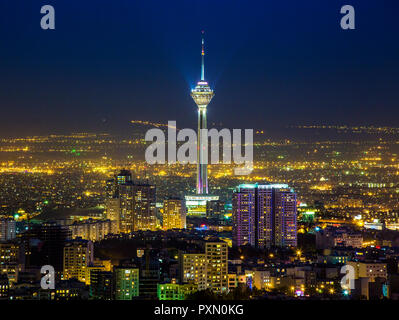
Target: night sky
point(271, 63)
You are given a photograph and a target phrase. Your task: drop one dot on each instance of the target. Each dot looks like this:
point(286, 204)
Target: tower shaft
point(202, 161)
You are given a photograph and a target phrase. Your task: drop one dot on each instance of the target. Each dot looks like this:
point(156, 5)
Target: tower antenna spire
point(203, 56)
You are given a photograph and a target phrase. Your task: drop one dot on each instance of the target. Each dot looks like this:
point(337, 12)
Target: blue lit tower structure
point(202, 95)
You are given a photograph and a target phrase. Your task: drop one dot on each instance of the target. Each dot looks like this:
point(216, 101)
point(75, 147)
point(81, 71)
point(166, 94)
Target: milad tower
point(202, 95)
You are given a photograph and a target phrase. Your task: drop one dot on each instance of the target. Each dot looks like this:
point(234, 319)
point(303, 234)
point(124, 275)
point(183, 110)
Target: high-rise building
point(101, 284)
point(174, 214)
point(113, 210)
point(126, 282)
point(111, 187)
point(216, 255)
point(9, 253)
point(207, 270)
point(11, 261)
point(123, 177)
point(90, 269)
point(264, 215)
point(12, 271)
point(54, 238)
point(131, 205)
point(47, 249)
point(137, 207)
point(150, 274)
point(215, 209)
point(78, 255)
point(7, 229)
point(193, 269)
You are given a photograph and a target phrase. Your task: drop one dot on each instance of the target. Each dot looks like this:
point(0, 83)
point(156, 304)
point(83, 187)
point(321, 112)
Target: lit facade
point(4, 286)
point(90, 270)
point(264, 216)
point(131, 205)
point(78, 255)
point(260, 279)
point(7, 229)
point(9, 253)
point(174, 291)
point(197, 205)
point(216, 254)
point(174, 214)
point(101, 285)
point(93, 230)
point(113, 209)
point(137, 207)
point(126, 283)
point(370, 270)
point(207, 270)
point(193, 269)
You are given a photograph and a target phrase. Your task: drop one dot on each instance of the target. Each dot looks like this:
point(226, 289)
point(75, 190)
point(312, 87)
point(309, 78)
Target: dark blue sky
point(271, 63)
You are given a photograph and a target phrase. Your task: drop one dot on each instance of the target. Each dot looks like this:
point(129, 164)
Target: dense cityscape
point(135, 171)
point(114, 227)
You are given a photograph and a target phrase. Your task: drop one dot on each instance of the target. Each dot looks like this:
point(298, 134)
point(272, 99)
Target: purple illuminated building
point(264, 216)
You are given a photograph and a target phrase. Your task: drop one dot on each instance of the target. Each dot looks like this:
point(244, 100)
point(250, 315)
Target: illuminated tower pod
point(202, 95)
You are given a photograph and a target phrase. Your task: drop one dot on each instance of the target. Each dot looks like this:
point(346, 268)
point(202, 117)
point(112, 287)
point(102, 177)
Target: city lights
point(104, 195)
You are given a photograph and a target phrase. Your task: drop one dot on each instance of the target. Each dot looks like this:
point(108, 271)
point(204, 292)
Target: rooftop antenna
point(203, 56)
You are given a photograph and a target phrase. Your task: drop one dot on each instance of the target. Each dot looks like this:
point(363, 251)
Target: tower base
point(196, 204)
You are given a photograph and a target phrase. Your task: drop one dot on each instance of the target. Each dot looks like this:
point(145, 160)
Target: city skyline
point(92, 209)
